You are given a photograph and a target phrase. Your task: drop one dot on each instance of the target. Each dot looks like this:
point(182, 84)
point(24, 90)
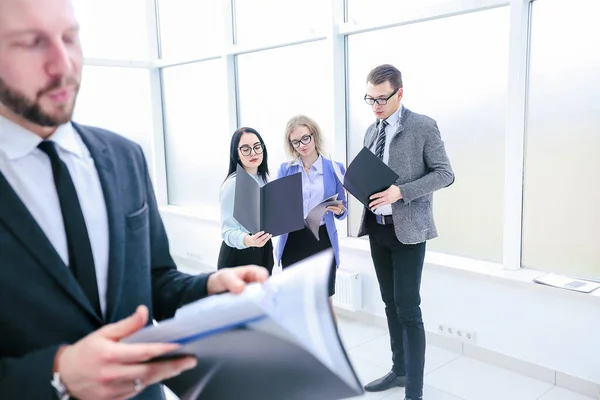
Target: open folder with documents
point(274, 208)
point(315, 215)
point(275, 340)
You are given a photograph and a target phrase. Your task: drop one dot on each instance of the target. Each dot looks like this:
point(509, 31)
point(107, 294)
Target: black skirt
point(230, 257)
point(303, 244)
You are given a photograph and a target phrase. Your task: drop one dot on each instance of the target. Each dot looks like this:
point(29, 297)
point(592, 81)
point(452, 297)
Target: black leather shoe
point(387, 382)
point(413, 398)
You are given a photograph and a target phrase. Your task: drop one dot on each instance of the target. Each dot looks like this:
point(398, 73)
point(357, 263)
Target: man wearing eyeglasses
point(400, 221)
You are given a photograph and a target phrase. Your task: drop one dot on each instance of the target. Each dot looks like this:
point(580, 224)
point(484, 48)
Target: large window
point(562, 194)
point(458, 78)
point(362, 11)
point(196, 134)
point(275, 85)
point(116, 29)
point(118, 99)
point(455, 70)
point(190, 28)
point(265, 21)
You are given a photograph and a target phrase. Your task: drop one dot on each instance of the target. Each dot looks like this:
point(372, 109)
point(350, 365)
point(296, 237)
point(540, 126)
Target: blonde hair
point(302, 120)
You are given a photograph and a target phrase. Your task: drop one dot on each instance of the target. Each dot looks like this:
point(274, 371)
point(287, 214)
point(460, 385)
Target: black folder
point(275, 208)
point(367, 175)
point(249, 365)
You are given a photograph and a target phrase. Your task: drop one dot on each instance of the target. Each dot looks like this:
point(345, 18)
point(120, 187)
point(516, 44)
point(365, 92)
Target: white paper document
point(315, 216)
point(564, 282)
point(274, 340)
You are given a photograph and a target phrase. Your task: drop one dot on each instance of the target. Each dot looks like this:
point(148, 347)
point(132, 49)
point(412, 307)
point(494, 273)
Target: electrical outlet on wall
point(466, 336)
point(193, 256)
point(461, 334)
point(441, 329)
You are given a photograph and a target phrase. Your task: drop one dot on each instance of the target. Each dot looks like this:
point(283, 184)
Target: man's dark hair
point(383, 73)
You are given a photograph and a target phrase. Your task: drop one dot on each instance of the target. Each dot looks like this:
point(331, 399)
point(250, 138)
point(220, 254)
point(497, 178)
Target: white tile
point(578, 385)
point(503, 361)
point(473, 380)
point(377, 351)
point(378, 395)
point(365, 370)
point(429, 393)
point(436, 357)
point(558, 393)
point(368, 372)
point(354, 333)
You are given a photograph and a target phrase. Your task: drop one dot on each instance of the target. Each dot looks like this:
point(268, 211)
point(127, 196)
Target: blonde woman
point(304, 145)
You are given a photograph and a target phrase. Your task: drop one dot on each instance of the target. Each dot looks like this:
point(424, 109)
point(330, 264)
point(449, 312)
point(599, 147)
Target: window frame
point(336, 34)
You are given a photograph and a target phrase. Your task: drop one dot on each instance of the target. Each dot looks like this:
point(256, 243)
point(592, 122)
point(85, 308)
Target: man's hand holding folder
point(388, 196)
point(370, 180)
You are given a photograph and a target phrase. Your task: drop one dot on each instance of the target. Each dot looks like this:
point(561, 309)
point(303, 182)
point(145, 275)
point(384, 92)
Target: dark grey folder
point(367, 175)
point(275, 208)
point(249, 365)
point(274, 341)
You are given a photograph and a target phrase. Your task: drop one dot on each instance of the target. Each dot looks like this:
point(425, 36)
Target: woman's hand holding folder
point(259, 239)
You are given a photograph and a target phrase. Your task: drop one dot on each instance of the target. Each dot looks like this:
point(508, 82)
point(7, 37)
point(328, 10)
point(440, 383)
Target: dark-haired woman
point(241, 247)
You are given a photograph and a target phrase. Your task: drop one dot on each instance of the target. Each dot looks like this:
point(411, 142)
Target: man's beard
point(32, 111)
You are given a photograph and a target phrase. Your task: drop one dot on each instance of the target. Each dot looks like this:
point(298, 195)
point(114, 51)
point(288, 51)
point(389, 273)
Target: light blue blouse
point(313, 189)
point(231, 231)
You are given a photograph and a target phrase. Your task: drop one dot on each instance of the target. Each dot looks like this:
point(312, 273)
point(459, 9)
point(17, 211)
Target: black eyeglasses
point(370, 101)
point(304, 140)
point(247, 150)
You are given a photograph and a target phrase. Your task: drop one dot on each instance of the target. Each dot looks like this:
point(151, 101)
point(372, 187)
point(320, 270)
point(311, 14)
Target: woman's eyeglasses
point(304, 140)
point(247, 150)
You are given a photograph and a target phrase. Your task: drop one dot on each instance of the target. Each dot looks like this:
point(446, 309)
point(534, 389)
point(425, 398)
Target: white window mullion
point(515, 133)
point(230, 65)
point(337, 70)
point(156, 159)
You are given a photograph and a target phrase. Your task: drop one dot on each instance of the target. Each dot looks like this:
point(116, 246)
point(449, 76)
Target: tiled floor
point(449, 376)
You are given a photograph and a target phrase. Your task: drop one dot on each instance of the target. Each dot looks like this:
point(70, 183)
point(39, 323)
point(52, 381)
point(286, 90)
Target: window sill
point(197, 214)
point(472, 268)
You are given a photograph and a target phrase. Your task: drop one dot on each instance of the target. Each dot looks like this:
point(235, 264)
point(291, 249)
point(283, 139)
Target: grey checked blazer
point(418, 156)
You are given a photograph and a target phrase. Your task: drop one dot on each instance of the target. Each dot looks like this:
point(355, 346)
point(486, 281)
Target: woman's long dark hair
point(234, 159)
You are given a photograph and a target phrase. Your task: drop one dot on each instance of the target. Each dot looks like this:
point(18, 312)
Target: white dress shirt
point(313, 186)
point(28, 170)
point(393, 124)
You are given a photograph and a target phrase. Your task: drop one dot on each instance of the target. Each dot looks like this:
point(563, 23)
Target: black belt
point(384, 219)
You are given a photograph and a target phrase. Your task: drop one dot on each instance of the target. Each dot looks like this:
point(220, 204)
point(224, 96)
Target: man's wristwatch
point(61, 389)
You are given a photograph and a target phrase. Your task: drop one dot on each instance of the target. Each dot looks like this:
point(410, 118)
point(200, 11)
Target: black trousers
point(303, 244)
point(231, 257)
point(399, 267)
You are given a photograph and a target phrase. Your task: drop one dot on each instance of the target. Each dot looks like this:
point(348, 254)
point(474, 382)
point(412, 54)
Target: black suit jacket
point(41, 304)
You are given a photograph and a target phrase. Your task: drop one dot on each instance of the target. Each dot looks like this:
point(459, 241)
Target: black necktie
point(381, 139)
point(81, 258)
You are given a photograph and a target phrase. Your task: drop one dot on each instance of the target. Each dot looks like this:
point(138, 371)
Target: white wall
point(545, 326)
